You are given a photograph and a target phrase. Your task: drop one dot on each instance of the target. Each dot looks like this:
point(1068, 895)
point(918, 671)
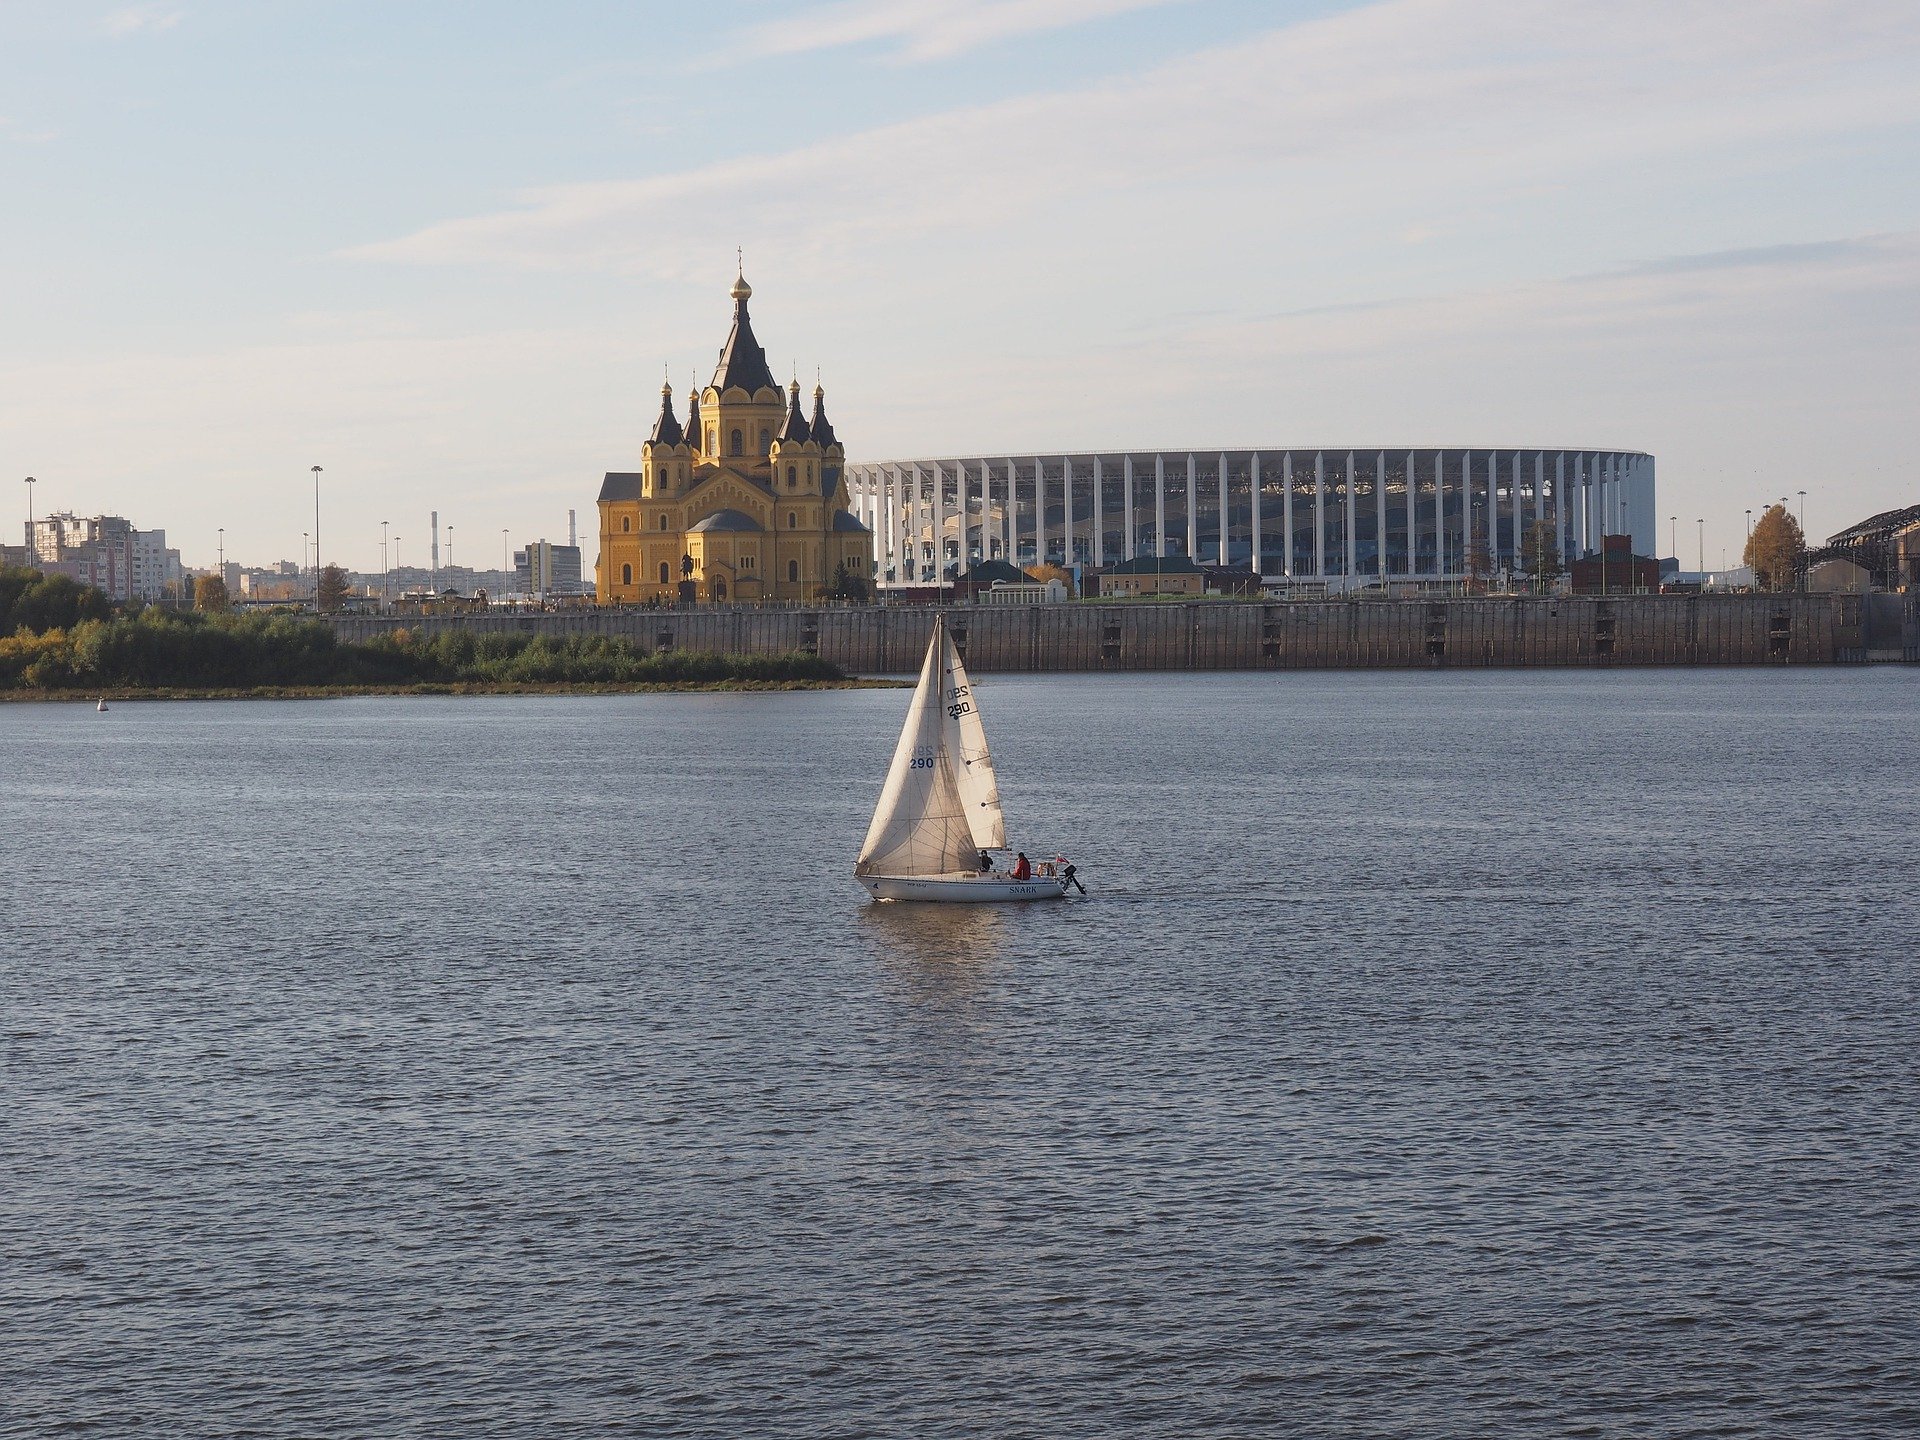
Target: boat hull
point(965, 889)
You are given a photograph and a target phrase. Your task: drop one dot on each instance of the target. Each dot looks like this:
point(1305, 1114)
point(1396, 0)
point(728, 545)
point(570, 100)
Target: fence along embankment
point(1273, 635)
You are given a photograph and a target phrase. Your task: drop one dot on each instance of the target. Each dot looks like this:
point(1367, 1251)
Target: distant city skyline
point(444, 250)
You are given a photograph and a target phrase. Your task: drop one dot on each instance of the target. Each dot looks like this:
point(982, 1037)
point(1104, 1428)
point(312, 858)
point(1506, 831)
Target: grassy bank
point(160, 654)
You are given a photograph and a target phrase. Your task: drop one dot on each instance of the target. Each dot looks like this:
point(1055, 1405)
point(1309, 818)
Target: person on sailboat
point(1022, 867)
point(986, 862)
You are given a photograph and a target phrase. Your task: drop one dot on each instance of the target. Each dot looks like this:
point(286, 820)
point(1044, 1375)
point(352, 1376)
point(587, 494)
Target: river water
point(1492, 1054)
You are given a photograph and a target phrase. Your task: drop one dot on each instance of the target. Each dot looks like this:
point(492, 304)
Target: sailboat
point(939, 813)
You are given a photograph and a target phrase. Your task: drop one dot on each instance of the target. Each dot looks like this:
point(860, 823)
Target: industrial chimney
point(572, 537)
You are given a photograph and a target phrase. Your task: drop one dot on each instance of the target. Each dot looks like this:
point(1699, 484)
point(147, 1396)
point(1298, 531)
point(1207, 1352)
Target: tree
point(849, 584)
point(1041, 574)
point(333, 587)
point(210, 593)
point(32, 601)
point(1541, 554)
point(1776, 549)
point(1479, 563)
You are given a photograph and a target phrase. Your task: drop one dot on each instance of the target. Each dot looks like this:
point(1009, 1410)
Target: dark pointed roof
point(796, 428)
point(693, 418)
point(1154, 565)
point(822, 428)
point(742, 362)
point(666, 430)
point(985, 572)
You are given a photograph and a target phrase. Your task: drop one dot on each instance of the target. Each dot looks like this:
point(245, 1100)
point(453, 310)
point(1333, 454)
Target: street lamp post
point(450, 554)
point(316, 539)
point(1703, 552)
point(505, 569)
point(222, 533)
point(1749, 524)
point(385, 599)
point(1803, 512)
point(33, 550)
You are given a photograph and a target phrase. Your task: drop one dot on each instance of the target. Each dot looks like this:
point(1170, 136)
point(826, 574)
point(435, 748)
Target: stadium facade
point(1345, 517)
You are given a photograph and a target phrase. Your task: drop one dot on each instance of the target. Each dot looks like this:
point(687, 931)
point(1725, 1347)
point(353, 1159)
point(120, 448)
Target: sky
point(446, 249)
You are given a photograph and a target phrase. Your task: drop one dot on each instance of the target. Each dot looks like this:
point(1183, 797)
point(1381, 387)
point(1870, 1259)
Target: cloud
point(11, 129)
point(1407, 104)
point(929, 29)
point(138, 20)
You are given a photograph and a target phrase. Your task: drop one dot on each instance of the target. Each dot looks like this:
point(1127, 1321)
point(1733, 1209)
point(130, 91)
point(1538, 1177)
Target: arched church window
point(738, 441)
point(666, 573)
point(793, 569)
point(766, 439)
point(791, 471)
point(626, 574)
point(626, 524)
point(663, 522)
point(793, 521)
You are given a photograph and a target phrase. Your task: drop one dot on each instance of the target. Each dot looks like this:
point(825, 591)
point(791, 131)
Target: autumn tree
point(1041, 574)
point(1776, 549)
point(1541, 554)
point(210, 593)
point(333, 587)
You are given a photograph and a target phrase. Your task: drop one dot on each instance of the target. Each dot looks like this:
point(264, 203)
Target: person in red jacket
point(1022, 869)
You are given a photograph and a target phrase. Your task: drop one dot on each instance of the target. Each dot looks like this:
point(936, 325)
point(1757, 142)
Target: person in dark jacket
point(1022, 868)
point(986, 862)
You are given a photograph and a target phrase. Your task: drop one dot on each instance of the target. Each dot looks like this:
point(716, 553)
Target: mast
point(966, 743)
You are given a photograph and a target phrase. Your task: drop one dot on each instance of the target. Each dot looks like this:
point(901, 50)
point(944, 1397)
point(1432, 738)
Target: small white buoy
point(102, 706)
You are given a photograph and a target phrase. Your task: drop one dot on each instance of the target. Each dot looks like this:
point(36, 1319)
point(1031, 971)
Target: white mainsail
point(920, 826)
point(967, 743)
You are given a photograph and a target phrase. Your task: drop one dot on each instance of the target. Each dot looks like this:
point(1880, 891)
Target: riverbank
point(115, 694)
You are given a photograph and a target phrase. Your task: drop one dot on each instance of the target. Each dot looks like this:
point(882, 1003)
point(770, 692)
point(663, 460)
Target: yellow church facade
point(747, 501)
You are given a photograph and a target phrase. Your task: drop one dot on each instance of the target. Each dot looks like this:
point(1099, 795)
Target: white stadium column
point(1223, 508)
point(1013, 512)
point(1127, 497)
point(1413, 514)
point(1539, 486)
point(1099, 518)
point(1159, 505)
point(1319, 515)
point(1258, 556)
point(1039, 512)
point(1193, 511)
point(963, 510)
point(1066, 511)
point(1352, 506)
point(1466, 510)
point(1380, 515)
point(1560, 514)
point(1286, 509)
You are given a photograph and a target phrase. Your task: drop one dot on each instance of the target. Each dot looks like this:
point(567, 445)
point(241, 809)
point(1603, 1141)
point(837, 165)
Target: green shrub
point(156, 649)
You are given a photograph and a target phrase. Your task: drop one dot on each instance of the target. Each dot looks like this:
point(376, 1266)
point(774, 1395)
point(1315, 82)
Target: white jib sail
point(920, 825)
point(967, 744)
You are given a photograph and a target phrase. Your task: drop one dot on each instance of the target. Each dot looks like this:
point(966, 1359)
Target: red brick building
point(1615, 570)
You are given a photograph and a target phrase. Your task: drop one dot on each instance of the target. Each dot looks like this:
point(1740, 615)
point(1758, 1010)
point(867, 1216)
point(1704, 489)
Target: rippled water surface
point(1496, 1054)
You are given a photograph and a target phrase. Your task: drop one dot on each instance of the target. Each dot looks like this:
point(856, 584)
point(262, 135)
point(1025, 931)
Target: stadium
point(1343, 517)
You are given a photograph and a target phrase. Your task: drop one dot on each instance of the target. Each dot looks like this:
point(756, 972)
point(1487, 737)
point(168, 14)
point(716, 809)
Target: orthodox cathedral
point(747, 501)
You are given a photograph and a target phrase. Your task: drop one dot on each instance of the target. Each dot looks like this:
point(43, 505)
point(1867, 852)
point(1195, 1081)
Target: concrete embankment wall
point(1274, 635)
